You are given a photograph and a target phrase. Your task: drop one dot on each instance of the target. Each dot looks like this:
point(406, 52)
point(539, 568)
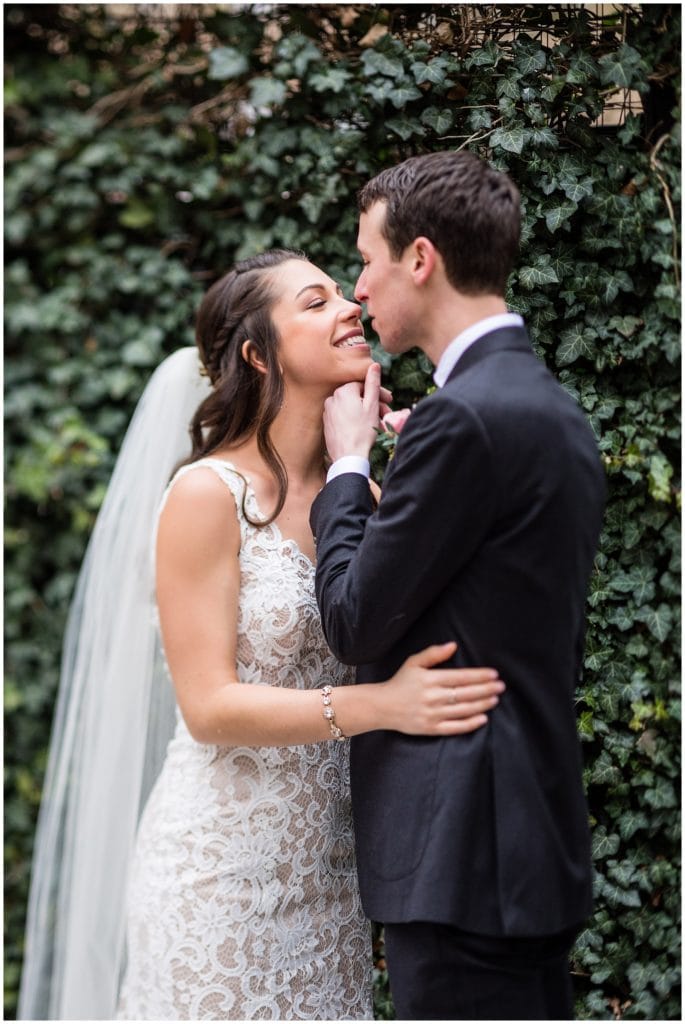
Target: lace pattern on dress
point(243, 900)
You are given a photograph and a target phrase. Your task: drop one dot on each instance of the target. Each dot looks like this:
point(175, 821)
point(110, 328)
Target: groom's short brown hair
point(470, 212)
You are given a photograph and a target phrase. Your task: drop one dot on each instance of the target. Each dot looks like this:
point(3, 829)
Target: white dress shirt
point(448, 360)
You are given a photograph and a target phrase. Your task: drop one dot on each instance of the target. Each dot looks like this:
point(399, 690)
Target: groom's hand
point(352, 415)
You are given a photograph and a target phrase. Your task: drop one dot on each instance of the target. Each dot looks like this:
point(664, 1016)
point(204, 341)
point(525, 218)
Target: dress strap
point(237, 483)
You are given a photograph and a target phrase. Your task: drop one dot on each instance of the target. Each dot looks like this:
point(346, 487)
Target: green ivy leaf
point(663, 795)
point(638, 581)
point(630, 822)
point(304, 53)
point(622, 617)
point(375, 63)
point(433, 72)
point(407, 376)
point(626, 325)
point(552, 89)
point(439, 120)
point(330, 80)
point(577, 190)
point(620, 67)
point(564, 261)
point(558, 215)
point(267, 92)
point(479, 119)
point(511, 139)
point(603, 844)
point(624, 872)
point(137, 214)
point(531, 62)
point(403, 127)
point(640, 975)
point(586, 726)
point(545, 138)
point(509, 87)
point(613, 282)
point(380, 90)
point(582, 69)
point(226, 62)
point(604, 773)
point(660, 473)
point(140, 353)
point(488, 56)
point(403, 94)
point(575, 342)
point(659, 621)
point(542, 272)
point(616, 896)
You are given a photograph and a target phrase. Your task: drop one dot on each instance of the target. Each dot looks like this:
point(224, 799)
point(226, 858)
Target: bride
point(211, 875)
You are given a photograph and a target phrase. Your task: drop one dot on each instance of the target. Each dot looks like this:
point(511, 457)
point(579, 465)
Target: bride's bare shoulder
point(199, 505)
point(197, 483)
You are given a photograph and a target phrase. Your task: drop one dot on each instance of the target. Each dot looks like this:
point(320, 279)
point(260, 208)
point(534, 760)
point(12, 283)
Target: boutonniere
point(395, 421)
point(384, 448)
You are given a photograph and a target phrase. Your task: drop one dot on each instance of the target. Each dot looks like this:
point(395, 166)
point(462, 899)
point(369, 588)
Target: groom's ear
point(423, 260)
point(250, 356)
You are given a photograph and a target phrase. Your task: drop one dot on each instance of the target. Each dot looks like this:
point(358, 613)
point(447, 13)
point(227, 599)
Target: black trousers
point(438, 972)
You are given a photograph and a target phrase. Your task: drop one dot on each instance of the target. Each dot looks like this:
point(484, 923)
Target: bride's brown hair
point(244, 401)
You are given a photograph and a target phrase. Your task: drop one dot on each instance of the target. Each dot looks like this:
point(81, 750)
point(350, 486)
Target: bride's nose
point(353, 310)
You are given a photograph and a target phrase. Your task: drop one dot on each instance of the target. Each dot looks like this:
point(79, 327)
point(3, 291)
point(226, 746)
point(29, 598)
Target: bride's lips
point(353, 339)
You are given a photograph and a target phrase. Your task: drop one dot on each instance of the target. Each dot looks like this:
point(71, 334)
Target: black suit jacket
point(485, 534)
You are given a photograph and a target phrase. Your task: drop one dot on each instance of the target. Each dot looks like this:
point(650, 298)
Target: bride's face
point(321, 336)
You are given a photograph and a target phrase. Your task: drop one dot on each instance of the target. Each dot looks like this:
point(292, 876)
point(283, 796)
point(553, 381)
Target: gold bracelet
point(329, 713)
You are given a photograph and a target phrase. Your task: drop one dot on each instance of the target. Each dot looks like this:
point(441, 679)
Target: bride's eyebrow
point(318, 287)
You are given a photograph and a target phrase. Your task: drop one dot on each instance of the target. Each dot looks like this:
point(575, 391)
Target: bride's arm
point(198, 588)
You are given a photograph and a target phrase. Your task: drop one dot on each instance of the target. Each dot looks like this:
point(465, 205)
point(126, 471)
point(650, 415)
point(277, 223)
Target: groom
point(473, 851)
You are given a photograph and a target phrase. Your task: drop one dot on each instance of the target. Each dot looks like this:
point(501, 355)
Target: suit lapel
point(504, 339)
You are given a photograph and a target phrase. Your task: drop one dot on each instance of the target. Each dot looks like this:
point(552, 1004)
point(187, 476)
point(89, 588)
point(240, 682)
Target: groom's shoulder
point(448, 412)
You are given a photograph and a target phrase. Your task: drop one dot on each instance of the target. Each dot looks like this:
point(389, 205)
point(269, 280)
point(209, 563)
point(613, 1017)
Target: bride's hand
point(427, 701)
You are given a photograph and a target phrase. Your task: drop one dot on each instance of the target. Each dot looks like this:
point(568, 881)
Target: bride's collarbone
point(292, 521)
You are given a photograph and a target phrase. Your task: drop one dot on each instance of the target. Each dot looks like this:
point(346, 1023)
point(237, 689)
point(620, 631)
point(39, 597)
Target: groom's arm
point(377, 572)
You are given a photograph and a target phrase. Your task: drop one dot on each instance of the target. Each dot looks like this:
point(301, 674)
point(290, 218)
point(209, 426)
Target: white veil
point(113, 720)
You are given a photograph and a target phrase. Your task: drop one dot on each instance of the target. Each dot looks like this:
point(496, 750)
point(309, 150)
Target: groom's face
point(385, 284)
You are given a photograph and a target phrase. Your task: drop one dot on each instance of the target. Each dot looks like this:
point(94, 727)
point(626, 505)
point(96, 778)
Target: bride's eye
point(316, 304)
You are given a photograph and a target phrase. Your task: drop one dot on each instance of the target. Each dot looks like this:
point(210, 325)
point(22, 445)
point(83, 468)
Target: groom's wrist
point(349, 464)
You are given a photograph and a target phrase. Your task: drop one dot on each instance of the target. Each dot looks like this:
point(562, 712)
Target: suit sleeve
point(377, 572)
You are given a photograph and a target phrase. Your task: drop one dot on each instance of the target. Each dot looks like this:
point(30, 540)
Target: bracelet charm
point(329, 713)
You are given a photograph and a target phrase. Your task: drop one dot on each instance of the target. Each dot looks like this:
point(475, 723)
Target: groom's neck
point(450, 314)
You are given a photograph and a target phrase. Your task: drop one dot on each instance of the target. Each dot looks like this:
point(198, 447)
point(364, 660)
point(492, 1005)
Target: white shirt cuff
point(349, 464)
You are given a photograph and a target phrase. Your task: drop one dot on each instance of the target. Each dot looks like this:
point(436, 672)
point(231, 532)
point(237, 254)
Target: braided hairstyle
point(243, 402)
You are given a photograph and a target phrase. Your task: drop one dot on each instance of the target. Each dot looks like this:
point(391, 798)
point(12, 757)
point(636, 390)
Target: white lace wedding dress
point(243, 901)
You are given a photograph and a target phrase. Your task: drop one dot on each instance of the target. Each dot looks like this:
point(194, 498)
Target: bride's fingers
point(453, 712)
point(454, 695)
point(460, 726)
point(460, 677)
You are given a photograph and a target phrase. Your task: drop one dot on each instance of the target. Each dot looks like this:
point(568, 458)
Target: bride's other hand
point(428, 701)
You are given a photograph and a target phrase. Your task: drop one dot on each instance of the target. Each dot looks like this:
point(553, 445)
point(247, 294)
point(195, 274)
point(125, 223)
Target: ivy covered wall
point(147, 149)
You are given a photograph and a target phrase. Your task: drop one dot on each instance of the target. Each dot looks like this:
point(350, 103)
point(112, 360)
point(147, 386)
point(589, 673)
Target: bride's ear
point(250, 356)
